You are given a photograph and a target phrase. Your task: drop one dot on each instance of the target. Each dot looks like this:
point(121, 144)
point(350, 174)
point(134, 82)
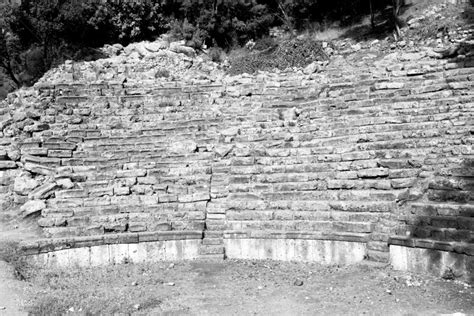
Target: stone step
point(458, 247)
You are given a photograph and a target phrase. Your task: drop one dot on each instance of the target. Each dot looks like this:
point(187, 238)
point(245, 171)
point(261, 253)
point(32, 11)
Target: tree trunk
point(396, 21)
point(6, 66)
point(286, 18)
point(372, 15)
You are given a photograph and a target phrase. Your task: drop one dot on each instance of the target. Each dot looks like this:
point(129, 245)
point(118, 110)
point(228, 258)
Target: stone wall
point(373, 153)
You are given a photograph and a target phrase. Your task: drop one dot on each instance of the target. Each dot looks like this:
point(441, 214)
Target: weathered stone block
point(402, 183)
point(122, 191)
point(373, 173)
point(131, 173)
point(7, 164)
point(59, 153)
point(32, 207)
point(24, 185)
point(355, 156)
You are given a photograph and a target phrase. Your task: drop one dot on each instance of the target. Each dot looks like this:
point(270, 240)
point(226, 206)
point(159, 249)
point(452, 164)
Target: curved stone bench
point(326, 248)
point(331, 167)
point(113, 249)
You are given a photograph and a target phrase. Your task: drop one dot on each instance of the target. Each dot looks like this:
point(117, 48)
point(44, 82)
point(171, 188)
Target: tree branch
point(286, 18)
point(8, 69)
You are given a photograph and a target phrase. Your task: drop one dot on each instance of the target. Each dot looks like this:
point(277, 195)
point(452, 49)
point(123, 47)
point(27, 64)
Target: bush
point(222, 23)
point(289, 53)
point(36, 34)
point(264, 43)
point(215, 54)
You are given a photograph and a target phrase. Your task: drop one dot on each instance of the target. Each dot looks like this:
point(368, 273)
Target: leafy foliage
point(222, 23)
point(290, 53)
point(36, 34)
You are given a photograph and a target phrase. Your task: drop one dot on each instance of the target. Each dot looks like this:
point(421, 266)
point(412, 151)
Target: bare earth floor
point(10, 291)
point(243, 288)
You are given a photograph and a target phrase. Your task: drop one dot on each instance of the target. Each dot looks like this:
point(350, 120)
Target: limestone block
point(322, 251)
point(178, 47)
point(72, 193)
point(137, 227)
point(5, 121)
point(60, 153)
point(59, 145)
point(46, 222)
point(147, 180)
point(32, 207)
point(14, 153)
point(65, 183)
point(340, 184)
point(347, 175)
point(389, 85)
point(37, 127)
point(101, 191)
point(403, 173)
point(435, 262)
point(34, 151)
point(183, 147)
point(122, 191)
point(223, 150)
point(157, 45)
point(231, 131)
point(403, 183)
point(412, 56)
point(43, 191)
point(311, 68)
point(373, 173)
point(131, 173)
point(100, 201)
point(7, 164)
point(24, 184)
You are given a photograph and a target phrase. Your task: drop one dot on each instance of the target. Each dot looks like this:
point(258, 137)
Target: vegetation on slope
point(35, 35)
point(38, 34)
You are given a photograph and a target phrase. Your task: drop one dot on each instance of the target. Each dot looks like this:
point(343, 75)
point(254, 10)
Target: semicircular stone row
point(379, 156)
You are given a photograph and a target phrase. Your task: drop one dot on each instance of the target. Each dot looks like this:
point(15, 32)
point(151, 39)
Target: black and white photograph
point(236, 157)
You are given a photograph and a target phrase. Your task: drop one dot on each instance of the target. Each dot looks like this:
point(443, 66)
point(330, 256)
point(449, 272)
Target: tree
point(397, 23)
point(9, 46)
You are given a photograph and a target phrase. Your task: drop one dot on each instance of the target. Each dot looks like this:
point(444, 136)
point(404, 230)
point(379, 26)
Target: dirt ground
point(242, 288)
point(11, 292)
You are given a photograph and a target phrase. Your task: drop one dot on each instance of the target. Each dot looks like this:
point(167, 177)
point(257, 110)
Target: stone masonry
point(377, 152)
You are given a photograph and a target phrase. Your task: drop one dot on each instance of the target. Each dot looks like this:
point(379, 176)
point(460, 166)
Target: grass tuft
point(10, 253)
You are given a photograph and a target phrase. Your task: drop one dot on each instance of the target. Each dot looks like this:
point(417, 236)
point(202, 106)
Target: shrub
point(162, 73)
point(264, 43)
point(38, 33)
point(215, 54)
point(289, 53)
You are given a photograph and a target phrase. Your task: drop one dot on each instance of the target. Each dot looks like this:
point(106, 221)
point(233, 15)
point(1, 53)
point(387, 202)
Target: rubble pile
point(158, 61)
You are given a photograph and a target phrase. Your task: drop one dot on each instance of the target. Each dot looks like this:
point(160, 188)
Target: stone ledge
point(435, 262)
point(353, 237)
point(54, 244)
point(306, 250)
point(457, 247)
point(148, 252)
